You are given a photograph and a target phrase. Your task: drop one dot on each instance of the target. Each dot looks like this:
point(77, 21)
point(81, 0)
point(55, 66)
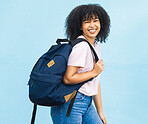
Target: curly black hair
point(74, 21)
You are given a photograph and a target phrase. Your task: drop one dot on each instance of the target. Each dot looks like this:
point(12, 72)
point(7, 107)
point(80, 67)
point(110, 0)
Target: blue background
point(29, 27)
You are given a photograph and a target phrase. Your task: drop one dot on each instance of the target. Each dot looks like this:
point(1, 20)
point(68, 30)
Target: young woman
point(92, 23)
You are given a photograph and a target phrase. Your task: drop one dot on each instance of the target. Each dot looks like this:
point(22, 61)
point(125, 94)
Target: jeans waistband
point(84, 94)
point(78, 93)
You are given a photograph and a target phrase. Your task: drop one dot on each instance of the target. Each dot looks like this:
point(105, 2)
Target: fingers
point(104, 121)
point(98, 67)
point(103, 118)
point(100, 62)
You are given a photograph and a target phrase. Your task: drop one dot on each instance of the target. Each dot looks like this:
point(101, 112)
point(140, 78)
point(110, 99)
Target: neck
point(90, 40)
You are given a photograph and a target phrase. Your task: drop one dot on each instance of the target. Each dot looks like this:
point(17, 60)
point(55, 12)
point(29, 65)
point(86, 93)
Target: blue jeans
point(83, 112)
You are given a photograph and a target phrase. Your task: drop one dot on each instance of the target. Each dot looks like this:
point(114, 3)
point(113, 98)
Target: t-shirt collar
point(81, 36)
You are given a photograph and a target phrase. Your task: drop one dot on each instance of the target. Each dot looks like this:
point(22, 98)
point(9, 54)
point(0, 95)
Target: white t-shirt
point(83, 57)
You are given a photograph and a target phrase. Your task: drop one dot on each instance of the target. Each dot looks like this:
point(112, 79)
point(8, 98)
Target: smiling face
point(91, 28)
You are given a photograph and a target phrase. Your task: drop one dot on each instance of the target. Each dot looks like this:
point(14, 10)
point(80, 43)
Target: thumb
point(99, 61)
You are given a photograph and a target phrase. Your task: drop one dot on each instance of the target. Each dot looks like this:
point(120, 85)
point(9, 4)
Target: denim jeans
point(83, 112)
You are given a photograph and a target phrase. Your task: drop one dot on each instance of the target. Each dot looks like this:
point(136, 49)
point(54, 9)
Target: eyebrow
point(89, 18)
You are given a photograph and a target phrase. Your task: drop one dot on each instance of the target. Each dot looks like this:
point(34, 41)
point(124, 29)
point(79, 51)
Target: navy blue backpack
point(46, 87)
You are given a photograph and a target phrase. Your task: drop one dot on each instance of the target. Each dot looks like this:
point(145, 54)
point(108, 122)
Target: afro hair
point(74, 21)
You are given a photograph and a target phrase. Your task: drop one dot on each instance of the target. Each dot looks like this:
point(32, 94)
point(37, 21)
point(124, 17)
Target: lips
point(92, 31)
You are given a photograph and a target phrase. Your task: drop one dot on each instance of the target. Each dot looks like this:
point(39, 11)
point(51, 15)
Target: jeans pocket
point(54, 110)
point(79, 97)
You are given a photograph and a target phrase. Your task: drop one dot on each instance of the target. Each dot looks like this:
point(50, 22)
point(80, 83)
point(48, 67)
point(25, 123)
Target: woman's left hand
point(102, 118)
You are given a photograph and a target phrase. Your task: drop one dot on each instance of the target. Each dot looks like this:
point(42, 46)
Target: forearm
point(78, 77)
point(98, 101)
point(72, 77)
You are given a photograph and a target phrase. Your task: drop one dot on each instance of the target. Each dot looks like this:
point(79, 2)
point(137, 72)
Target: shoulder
point(78, 55)
point(81, 48)
point(81, 45)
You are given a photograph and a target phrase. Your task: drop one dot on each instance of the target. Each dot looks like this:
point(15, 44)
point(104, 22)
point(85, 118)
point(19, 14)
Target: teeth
point(93, 30)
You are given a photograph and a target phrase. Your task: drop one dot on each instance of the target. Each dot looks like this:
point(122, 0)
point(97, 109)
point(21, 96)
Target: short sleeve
point(78, 55)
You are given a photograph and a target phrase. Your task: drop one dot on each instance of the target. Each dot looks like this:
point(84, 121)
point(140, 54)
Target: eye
point(96, 20)
point(86, 21)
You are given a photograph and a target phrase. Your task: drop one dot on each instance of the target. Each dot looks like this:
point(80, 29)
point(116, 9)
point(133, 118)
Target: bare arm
point(98, 101)
point(72, 77)
point(98, 104)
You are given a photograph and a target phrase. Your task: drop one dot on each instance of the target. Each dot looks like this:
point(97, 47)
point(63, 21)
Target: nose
point(92, 24)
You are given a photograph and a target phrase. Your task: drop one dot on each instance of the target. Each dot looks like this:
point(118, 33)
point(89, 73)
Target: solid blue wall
point(29, 27)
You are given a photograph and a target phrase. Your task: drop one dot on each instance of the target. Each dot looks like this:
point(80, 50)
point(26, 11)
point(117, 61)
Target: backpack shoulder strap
point(33, 113)
point(73, 43)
